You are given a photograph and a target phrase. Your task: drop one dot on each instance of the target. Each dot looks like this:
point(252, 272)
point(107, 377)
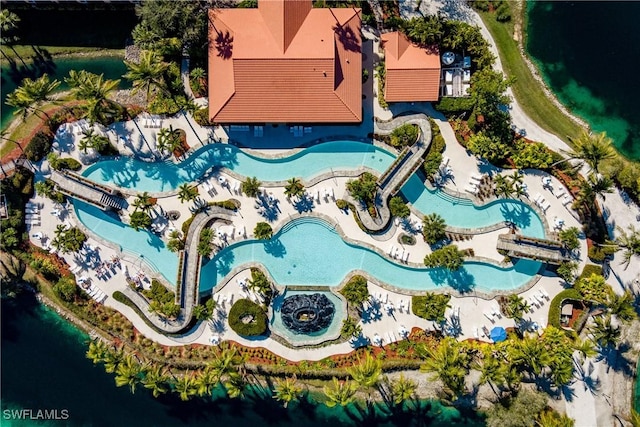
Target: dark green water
point(44, 367)
point(57, 68)
point(589, 55)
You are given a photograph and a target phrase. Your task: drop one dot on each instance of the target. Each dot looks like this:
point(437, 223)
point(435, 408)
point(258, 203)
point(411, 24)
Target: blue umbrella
point(498, 334)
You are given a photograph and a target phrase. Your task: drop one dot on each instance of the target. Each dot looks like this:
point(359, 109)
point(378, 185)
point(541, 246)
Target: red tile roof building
point(412, 73)
point(285, 62)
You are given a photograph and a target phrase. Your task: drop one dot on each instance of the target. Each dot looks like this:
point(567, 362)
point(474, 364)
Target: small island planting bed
point(247, 318)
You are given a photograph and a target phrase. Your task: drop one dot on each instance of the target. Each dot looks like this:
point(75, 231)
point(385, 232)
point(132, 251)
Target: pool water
point(332, 331)
point(308, 163)
point(308, 251)
point(461, 212)
point(146, 247)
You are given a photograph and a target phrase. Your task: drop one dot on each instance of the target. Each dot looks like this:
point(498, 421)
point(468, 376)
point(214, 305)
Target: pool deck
point(472, 307)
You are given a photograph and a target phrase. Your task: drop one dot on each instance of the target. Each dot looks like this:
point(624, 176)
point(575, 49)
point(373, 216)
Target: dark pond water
point(589, 54)
point(44, 368)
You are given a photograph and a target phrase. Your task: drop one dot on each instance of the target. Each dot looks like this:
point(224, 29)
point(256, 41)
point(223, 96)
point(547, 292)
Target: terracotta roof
point(412, 72)
point(285, 62)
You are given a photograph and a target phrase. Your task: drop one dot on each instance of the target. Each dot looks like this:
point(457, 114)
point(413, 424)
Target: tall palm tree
point(251, 186)
point(294, 188)
point(226, 361)
point(112, 359)
point(31, 94)
point(492, 370)
point(433, 228)
point(187, 192)
point(449, 364)
point(235, 385)
point(367, 372)
point(205, 381)
point(584, 348)
point(156, 379)
point(339, 393)
point(94, 89)
point(287, 390)
point(622, 307)
point(403, 389)
point(129, 372)
point(593, 186)
point(148, 74)
point(630, 241)
point(603, 333)
point(186, 386)
point(531, 354)
point(592, 148)
point(97, 351)
point(169, 139)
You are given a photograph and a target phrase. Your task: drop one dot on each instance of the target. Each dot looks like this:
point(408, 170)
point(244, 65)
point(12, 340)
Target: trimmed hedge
point(231, 204)
point(555, 308)
point(243, 308)
point(68, 163)
point(590, 269)
point(39, 146)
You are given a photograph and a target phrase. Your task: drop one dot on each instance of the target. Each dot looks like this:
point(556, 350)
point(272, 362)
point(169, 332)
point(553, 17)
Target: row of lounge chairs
point(541, 202)
point(399, 254)
point(475, 181)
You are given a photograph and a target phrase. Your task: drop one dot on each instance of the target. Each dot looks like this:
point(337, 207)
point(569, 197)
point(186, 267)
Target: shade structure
point(498, 334)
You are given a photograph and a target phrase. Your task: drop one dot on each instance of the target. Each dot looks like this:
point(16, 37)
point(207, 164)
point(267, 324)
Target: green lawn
point(26, 51)
point(528, 92)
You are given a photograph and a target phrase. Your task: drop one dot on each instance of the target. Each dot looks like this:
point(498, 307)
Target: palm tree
point(603, 333)
point(92, 140)
point(503, 186)
point(449, 364)
point(621, 306)
point(550, 418)
point(155, 379)
point(584, 348)
point(630, 241)
point(531, 354)
point(187, 192)
point(97, 351)
point(403, 389)
point(186, 386)
point(31, 94)
point(592, 148)
point(263, 231)
point(112, 359)
point(205, 380)
point(225, 362)
point(492, 370)
point(367, 372)
point(593, 186)
point(433, 228)
point(293, 188)
point(235, 385)
point(251, 186)
point(339, 393)
point(169, 139)
point(147, 74)
point(287, 390)
point(129, 372)
point(143, 202)
point(94, 89)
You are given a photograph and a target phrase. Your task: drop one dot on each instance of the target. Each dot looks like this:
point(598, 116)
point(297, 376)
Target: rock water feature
point(307, 313)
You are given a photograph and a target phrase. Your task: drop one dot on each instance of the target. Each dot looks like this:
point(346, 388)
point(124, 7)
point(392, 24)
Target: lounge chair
point(406, 257)
point(536, 198)
point(560, 193)
point(566, 200)
point(476, 335)
point(544, 205)
point(471, 189)
point(488, 315)
point(544, 293)
point(392, 250)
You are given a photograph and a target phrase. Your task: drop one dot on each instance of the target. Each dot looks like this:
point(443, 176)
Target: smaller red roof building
point(412, 73)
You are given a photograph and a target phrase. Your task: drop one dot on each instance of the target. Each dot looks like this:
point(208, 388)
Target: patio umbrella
point(498, 334)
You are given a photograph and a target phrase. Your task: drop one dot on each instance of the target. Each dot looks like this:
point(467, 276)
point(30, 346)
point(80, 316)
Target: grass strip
point(526, 88)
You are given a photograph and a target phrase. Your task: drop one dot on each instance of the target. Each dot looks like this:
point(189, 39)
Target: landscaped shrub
point(342, 204)
point(247, 318)
point(66, 288)
point(231, 204)
point(404, 135)
point(398, 207)
point(596, 254)
point(356, 291)
point(555, 308)
point(430, 306)
point(159, 293)
point(433, 159)
point(39, 146)
point(68, 163)
point(590, 269)
point(454, 106)
point(186, 225)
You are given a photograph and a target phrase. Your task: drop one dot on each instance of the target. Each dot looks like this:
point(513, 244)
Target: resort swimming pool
point(461, 212)
point(308, 163)
point(308, 251)
point(145, 246)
